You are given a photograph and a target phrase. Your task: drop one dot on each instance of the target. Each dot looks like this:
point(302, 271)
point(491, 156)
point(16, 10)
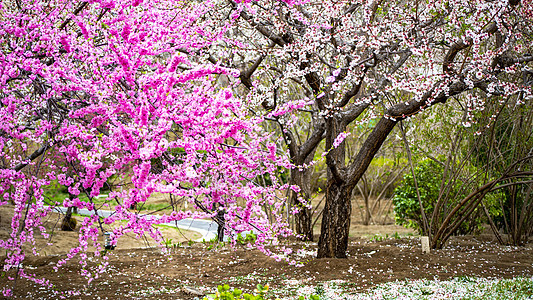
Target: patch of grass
point(154, 206)
point(80, 215)
point(163, 226)
point(516, 288)
point(464, 287)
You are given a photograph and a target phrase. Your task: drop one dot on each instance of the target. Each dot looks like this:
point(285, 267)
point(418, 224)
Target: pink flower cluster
point(101, 90)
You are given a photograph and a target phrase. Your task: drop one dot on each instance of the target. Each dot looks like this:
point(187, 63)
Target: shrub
point(406, 207)
point(429, 174)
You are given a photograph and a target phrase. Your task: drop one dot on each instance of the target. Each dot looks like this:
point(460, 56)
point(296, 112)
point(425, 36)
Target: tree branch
point(461, 45)
point(353, 112)
point(312, 142)
point(30, 158)
point(77, 11)
point(263, 30)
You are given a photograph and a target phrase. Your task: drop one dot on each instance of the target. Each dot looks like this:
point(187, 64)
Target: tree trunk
point(303, 221)
point(68, 223)
point(333, 241)
point(221, 222)
point(366, 221)
point(330, 243)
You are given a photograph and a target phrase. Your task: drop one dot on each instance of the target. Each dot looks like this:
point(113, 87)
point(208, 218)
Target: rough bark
point(341, 180)
point(333, 240)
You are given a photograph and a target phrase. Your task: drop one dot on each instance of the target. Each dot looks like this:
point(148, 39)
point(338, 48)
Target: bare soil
point(138, 270)
point(148, 274)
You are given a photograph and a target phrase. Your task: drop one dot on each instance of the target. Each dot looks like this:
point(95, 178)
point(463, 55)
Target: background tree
point(458, 184)
point(508, 144)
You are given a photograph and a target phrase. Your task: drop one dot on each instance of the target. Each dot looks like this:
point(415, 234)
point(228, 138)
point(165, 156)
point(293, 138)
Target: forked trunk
point(333, 240)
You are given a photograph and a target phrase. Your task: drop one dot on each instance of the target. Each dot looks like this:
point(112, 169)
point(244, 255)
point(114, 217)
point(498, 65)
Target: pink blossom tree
point(132, 88)
point(95, 89)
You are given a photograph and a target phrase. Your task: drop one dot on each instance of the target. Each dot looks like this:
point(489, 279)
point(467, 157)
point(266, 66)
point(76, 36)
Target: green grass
point(53, 195)
point(154, 206)
point(465, 288)
point(516, 288)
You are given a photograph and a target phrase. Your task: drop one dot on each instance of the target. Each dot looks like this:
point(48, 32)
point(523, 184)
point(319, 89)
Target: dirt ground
point(376, 254)
point(148, 274)
point(60, 242)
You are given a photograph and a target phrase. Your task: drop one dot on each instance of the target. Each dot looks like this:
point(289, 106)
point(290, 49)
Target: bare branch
point(312, 142)
point(32, 157)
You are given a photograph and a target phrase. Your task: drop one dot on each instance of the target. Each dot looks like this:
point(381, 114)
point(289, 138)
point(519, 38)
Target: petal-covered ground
point(146, 273)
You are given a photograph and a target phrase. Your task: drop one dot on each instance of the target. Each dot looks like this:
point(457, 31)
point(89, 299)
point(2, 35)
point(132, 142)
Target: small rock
point(192, 291)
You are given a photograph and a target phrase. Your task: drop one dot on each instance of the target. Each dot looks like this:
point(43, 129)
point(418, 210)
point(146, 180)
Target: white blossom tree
point(335, 60)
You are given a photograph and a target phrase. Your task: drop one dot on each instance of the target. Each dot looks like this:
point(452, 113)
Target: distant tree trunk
point(302, 178)
point(302, 218)
point(220, 219)
point(68, 223)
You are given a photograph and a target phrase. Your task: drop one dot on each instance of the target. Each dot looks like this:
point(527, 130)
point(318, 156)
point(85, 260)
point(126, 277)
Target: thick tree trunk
point(346, 178)
point(333, 241)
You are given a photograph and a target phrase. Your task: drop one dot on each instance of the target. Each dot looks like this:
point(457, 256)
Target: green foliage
point(382, 174)
point(177, 153)
point(224, 292)
point(169, 244)
point(55, 192)
point(213, 243)
point(319, 290)
point(406, 207)
point(378, 238)
point(502, 142)
point(429, 174)
point(282, 175)
point(516, 288)
point(250, 238)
